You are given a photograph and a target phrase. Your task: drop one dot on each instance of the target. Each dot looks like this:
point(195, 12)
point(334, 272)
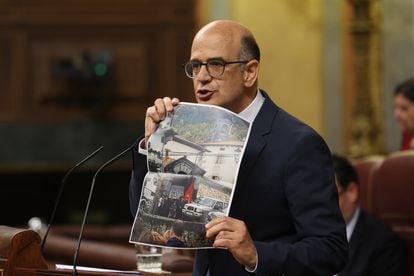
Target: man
point(176, 237)
point(284, 216)
point(373, 248)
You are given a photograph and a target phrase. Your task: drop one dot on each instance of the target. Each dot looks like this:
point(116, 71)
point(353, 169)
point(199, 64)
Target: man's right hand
point(156, 113)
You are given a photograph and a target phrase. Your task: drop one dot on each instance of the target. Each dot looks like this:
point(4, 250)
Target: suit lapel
point(358, 234)
point(257, 141)
point(355, 244)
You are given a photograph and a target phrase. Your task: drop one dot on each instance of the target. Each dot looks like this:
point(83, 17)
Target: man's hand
point(156, 113)
point(232, 234)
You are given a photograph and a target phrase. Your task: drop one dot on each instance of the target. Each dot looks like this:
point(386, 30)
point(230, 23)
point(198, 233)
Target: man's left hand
point(233, 235)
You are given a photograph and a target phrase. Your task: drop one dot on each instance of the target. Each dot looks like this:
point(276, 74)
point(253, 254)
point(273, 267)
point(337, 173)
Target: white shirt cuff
point(255, 268)
point(141, 147)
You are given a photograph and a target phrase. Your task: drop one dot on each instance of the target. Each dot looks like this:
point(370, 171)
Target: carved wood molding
point(363, 129)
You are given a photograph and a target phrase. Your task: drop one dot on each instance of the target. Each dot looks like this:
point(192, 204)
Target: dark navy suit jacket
point(374, 250)
point(286, 195)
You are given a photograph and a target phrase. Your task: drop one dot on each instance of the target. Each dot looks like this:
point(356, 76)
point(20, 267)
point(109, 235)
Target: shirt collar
point(350, 226)
point(250, 112)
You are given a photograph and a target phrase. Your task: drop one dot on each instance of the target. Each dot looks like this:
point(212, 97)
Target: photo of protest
point(193, 160)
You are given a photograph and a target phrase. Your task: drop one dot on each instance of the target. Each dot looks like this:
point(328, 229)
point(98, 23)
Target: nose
point(397, 113)
point(203, 75)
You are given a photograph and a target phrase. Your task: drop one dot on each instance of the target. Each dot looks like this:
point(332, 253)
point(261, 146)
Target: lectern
point(19, 249)
point(20, 255)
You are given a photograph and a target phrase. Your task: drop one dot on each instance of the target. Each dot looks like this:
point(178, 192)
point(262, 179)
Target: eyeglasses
point(215, 67)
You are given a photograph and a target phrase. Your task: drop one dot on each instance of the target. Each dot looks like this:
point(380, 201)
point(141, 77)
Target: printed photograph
point(193, 160)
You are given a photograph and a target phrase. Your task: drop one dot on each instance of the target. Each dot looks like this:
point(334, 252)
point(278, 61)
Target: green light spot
point(100, 69)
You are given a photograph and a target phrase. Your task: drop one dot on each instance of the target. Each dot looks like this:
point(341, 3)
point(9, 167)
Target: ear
point(353, 192)
point(251, 72)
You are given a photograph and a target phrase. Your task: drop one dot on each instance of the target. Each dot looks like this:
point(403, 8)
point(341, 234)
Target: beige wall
point(289, 33)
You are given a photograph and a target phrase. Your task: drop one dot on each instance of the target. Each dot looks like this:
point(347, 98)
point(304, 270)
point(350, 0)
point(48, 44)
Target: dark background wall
point(76, 75)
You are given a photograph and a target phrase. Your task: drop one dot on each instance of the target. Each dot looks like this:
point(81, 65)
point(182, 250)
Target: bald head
point(232, 34)
point(229, 50)
point(227, 28)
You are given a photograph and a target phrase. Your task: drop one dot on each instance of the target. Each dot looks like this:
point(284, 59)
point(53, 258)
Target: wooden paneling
point(130, 84)
point(6, 103)
point(147, 40)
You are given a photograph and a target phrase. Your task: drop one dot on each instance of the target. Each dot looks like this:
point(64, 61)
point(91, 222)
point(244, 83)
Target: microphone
point(75, 258)
point(62, 184)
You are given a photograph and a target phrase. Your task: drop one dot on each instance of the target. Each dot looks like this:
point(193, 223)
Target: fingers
point(225, 229)
point(217, 225)
point(175, 101)
point(233, 235)
point(158, 112)
point(167, 103)
point(226, 240)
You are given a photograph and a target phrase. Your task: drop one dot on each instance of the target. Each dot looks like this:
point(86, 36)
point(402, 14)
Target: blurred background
point(76, 75)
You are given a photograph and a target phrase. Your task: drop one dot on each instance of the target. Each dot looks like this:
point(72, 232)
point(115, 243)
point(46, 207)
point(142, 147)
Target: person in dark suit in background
point(284, 216)
point(373, 248)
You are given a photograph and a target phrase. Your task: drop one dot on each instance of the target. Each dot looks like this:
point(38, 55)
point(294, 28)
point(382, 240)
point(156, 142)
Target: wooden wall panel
point(132, 69)
point(148, 40)
point(6, 100)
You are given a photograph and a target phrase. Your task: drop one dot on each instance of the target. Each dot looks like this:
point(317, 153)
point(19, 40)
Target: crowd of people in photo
point(172, 237)
point(170, 207)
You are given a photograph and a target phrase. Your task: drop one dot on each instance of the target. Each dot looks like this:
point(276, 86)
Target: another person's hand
point(157, 113)
point(232, 234)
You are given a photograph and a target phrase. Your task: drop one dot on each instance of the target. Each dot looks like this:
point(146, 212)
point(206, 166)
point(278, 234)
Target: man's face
point(227, 90)
point(347, 200)
point(404, 113)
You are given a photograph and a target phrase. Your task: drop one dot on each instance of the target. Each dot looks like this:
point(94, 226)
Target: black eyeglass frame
point(189, 65)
